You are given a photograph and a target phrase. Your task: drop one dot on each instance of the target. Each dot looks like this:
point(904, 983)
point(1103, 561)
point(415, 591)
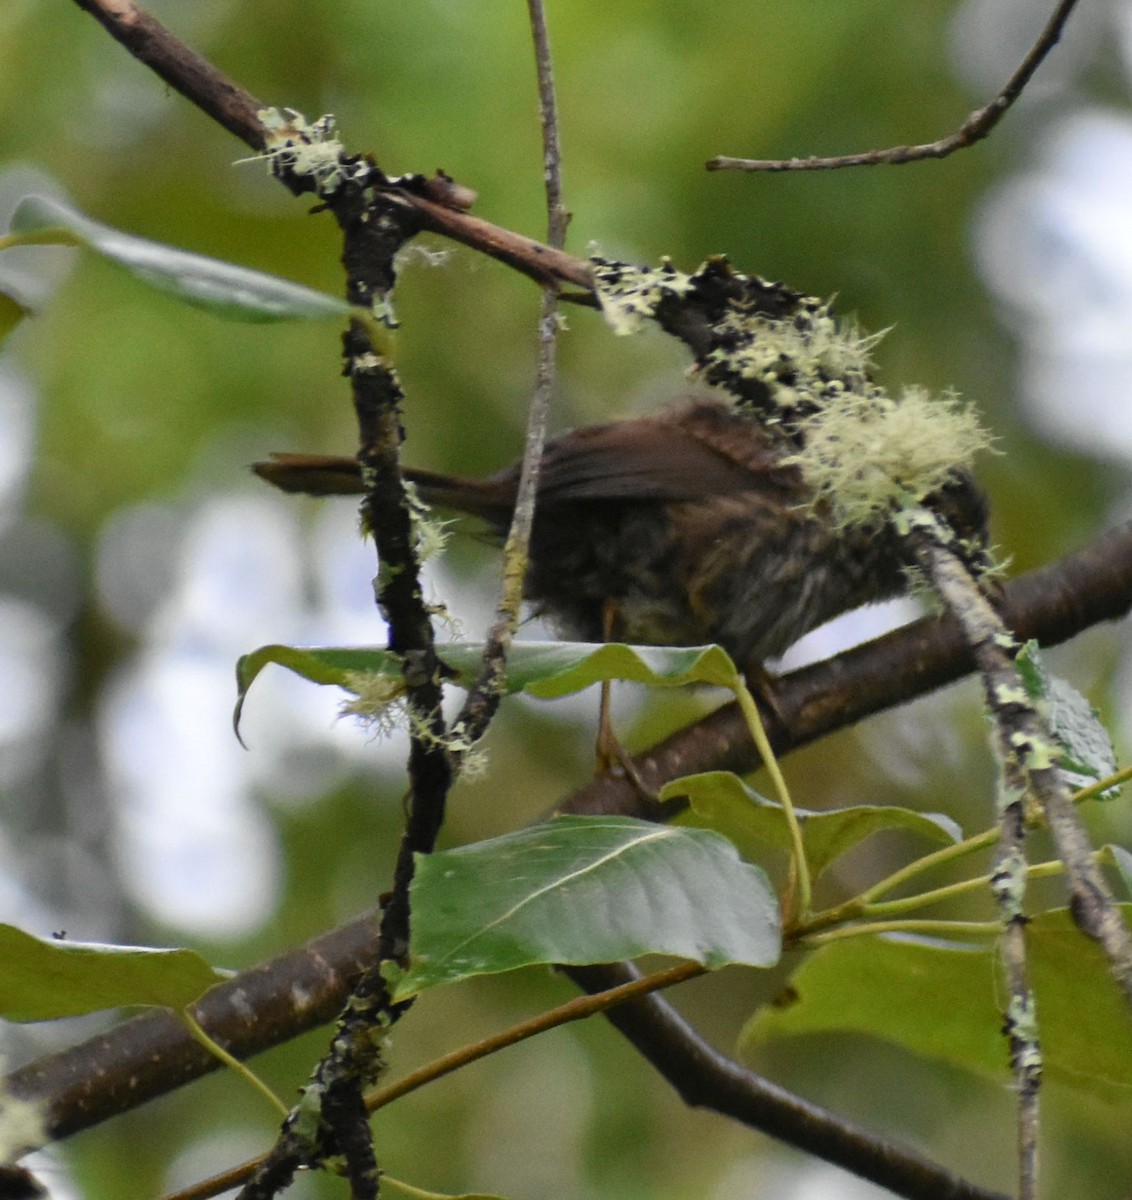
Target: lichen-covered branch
point(992, 645)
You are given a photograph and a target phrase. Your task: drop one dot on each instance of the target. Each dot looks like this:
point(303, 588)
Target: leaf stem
point(799, 868)
point(928, 928)
point(217, 1051)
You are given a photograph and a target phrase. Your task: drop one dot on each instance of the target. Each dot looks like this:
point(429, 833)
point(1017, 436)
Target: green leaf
point(1087, 750)
point(943, 1001)
point(586, 890)
point(1121, 859)
point(42, 981)
point(552, 669)
point(544, 669)
point(12, 312)
point(230, 290)
point(721, 801)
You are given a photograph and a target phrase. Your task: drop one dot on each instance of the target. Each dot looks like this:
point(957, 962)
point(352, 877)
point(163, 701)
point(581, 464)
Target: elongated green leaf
point(721, 801)
point(585, 890)
point(42, 981)
point(943, 1001)
point(230, 290)
point(544, 669)
point(551, 669)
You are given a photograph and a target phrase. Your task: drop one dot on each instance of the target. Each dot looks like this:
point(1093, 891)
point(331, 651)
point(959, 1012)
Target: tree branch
point(976, 127)
point(238, 111)
point(150, 1055)
point(1051, 604)
point(704, 1078)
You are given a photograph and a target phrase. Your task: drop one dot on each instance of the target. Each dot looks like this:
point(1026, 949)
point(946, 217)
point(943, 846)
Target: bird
point(686, 526)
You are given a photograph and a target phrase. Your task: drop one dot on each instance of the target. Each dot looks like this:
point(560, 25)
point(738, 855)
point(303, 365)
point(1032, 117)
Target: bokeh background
point(138, 557)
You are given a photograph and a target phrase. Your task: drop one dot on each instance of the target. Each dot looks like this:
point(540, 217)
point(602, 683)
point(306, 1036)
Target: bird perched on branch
point(695, 524)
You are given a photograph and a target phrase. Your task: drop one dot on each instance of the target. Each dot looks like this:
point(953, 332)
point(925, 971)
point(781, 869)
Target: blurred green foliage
point(141, 398)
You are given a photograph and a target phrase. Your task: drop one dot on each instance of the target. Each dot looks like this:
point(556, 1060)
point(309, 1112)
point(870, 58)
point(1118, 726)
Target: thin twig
point(238, 111)
point(484, 697)
point(976, 127)
point(577, 1009)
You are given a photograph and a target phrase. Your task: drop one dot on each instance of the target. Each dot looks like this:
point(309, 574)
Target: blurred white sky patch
point(17, 440)
point(239, 580)
point(199, 588)
point(1055, 244)
point(850, 629)
point(787, 1179)
point(989, 38)
point(195, 849)
point(31, 671)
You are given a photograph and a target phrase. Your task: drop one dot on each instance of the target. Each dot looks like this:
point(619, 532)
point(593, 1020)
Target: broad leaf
point(721, 801)
point(585, 890)
point(544, 669)
point(943, 1001)
point(44, 980)
point(1087, 752)
point(230, 290)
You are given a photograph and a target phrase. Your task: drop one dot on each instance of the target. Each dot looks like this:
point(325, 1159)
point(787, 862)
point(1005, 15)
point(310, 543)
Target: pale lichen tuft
point(864, 454)
point(307, 148)
point(379, 701)
point(629, 295)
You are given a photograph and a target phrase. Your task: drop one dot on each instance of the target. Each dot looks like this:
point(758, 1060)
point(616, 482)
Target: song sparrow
point(678, 528)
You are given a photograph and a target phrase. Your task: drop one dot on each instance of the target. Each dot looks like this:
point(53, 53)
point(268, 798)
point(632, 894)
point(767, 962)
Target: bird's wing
point(697, 449)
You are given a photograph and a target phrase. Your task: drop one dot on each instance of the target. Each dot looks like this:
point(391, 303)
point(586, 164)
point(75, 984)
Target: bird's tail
point(331, 475)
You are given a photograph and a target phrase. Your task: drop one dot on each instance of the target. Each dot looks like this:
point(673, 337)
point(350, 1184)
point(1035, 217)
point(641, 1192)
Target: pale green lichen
point(1010, 693)
point(379, 701)
point(414, 253)
point(1022, 1013)
point(1036, 753)
point(22, 1126)
point(864, 453)
point(367, 363)
point(383, 311)
point(805, 360)
point(1010, 796)
point(472, 756)
point(306, 1117)
point(431, 532)
point(629, 296)
point(1008, 884)
point(307, 148)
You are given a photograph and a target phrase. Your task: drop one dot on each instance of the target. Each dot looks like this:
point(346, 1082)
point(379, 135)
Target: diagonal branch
point(150, 1055)
point(974, 129)
point(705, 1078)
point(238, 111)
